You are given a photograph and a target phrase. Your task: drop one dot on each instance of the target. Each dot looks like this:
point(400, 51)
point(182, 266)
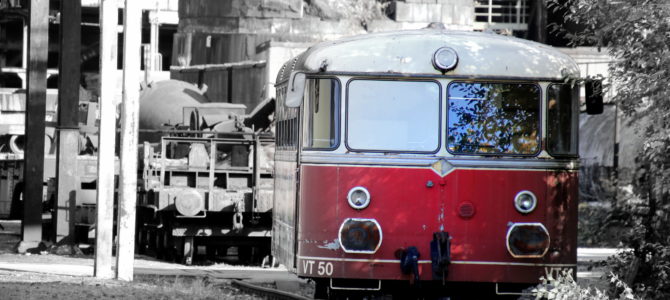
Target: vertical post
point(132, 22)
point(24, 55)
point(518, 11)
point(105, 192)
point(541, 22)
point(615, 162)
point(68, 107)
point(537, 24)
point(490, 15)
point(31, 227)
point(153, 40)
point(230, 83)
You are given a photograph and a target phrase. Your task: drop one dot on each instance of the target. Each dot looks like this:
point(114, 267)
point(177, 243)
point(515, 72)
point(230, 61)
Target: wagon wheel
point(140, 245)
point(211, 252)
point(139, 234)
point(222, 250)
point(160, 243)
point(178, 249)
point(189, 249)
point(151, 241)
point(245, 254)
point(269, 261)
point(169, 245)
point(16, 210)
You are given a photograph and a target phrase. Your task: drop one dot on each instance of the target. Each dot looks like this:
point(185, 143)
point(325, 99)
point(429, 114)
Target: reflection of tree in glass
point(490, 118)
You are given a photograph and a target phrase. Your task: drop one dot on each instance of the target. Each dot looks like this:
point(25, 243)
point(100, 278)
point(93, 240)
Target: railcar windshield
point(562, 119)
point(393, 116)
point(493, 118)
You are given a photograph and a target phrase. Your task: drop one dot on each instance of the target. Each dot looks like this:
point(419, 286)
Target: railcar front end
point(431, 158)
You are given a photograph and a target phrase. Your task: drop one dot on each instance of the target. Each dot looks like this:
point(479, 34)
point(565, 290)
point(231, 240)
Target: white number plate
point(322, 268)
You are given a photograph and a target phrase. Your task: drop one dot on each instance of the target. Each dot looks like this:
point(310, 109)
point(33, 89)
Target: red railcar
point(426, 158)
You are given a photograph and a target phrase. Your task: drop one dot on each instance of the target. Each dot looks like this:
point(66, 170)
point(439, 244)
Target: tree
point(636, 33)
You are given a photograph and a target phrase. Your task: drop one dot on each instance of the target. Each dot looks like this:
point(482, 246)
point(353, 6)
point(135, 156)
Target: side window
point(562, 120)
point(321, 111)
point(287, 123)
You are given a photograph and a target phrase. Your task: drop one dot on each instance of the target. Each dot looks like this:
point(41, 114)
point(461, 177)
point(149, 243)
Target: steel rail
point(268, 293)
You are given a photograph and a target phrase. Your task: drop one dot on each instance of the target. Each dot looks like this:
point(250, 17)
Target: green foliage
point(650, 274)
point(636, 33)
point(564, 287)
point(595, 228)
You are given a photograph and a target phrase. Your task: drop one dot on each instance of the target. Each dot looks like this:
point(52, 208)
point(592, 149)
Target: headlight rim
point(538, 224)
point(379, 244)
point(367, 194)
point(439, 64)
point(520, 209)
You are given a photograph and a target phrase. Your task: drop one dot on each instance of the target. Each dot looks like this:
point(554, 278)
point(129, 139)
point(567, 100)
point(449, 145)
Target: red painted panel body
point(410, 204)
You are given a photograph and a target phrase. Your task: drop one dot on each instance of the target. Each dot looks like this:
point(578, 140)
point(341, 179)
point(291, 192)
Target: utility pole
point(105, 193)
point(537, 25)
point(68, 130)
point(38, 28)
point(132, 39)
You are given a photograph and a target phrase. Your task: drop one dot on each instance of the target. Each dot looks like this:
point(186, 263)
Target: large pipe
point(162, 105)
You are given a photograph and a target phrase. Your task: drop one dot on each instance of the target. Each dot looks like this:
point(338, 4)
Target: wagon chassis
point(235, 210)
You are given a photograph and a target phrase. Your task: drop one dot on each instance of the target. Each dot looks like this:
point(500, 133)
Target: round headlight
point(359, 197)
point(445, 59)
point(525, 202)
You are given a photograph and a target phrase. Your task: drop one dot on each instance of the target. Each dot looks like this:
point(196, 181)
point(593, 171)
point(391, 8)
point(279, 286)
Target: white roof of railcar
point(410, 52)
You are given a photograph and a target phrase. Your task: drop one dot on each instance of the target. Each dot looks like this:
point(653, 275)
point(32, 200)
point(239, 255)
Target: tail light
point(360, 235)
point(527, 240)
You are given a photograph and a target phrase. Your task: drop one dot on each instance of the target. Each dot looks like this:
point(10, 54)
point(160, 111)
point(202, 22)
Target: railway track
point(265, 292)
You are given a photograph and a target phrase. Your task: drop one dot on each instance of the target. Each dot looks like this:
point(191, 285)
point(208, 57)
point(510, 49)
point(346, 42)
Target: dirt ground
point(25, 285)
point(33, 285)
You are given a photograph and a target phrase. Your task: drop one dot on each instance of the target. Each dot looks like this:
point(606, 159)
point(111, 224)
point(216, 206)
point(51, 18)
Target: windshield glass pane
point(562, 120)
point(401, 116)
point(494, 118)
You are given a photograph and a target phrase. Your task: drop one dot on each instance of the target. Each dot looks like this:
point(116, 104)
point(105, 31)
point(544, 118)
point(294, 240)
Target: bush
point(635, 34)
point(564, 287)
point(647, 269)
point(595, 227)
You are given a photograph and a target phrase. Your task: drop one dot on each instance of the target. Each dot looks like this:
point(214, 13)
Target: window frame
point(336, 118)
point(402, 79)
point(540, 97)
point(575, 104)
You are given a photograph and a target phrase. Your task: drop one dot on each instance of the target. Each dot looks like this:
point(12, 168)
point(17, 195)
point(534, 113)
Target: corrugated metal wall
point(241, 83)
